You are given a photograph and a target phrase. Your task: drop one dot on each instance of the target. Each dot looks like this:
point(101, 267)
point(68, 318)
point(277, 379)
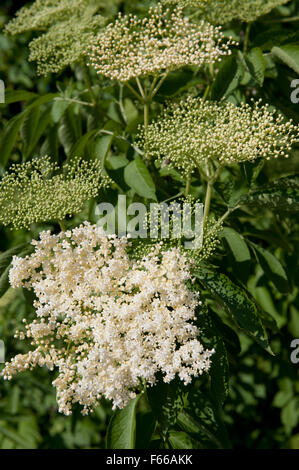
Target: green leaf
point(288, 54)
point(212, 338)
point(139, 179)
point(116, 161)
point(28, 428)
point(293, 324)
point(290, 414)
point(238, 193)
point(265, 40)
point(272, 268)
point(166, 401)
point(8, 297)
point(29, 128)
point(181, 440)
point(42, 125)
point(282, 195)
point(79, 147)
point(145, 427)
point(11, 434)
point(58, 109)
point(131, 111)
point(176, 82)
point(237, 245)
point(14, 398)
point(227, 79)
point(13, 96)
point(187, 422)
point(282, 398)
point(102, 146)
point(4, 281)
point(242, 309)
point(121, 433)
point(264, 299)
point(6, 256)
point(69, 131)
point(202, 421)
point(219, 370)
point(50, 145)
point(41, 100)
point(256, 64)
point(10, 136)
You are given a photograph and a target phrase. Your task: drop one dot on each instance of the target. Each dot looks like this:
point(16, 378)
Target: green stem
point(146, 123)
point(246, 38)
point(62, 225)
point(206, 92)
point(201, 172)
point(227, 213)
point(196, 13)
point(210, 82)
point(283, 20)
point(73, 100)
point(104, 131)
point(146, 114)
point(147, 98)
point(188, 185)
point(158, 86)
point(88, 82)
point(154, 82)
point(173, 197)
point(209, 192)
point(207, 202)
point(140, 88)
point(121, 105)
point(133, 91)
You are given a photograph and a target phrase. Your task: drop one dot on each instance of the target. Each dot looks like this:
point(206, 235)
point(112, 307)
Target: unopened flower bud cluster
point(132, 47)
point(107, 323)
point(192, 131)
point(65, 43)
point(224, 11)
point(67, 27)
point(38, 191)
point(42, 14)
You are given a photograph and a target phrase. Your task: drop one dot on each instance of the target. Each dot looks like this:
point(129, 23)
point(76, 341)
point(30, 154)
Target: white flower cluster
point(108, 323)
point(193, 130)
point(224, 11)
point(132, 47)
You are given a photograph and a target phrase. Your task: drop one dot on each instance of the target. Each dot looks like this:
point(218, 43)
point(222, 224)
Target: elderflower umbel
point(193, 130)
point(106, 322)
point(65, 43)
point(34, 192)
point(68, 26)
point(223, 11)
point(42, 14)
point(132, 47)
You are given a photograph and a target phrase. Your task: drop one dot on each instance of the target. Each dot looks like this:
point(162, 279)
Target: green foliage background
point(251, 399)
